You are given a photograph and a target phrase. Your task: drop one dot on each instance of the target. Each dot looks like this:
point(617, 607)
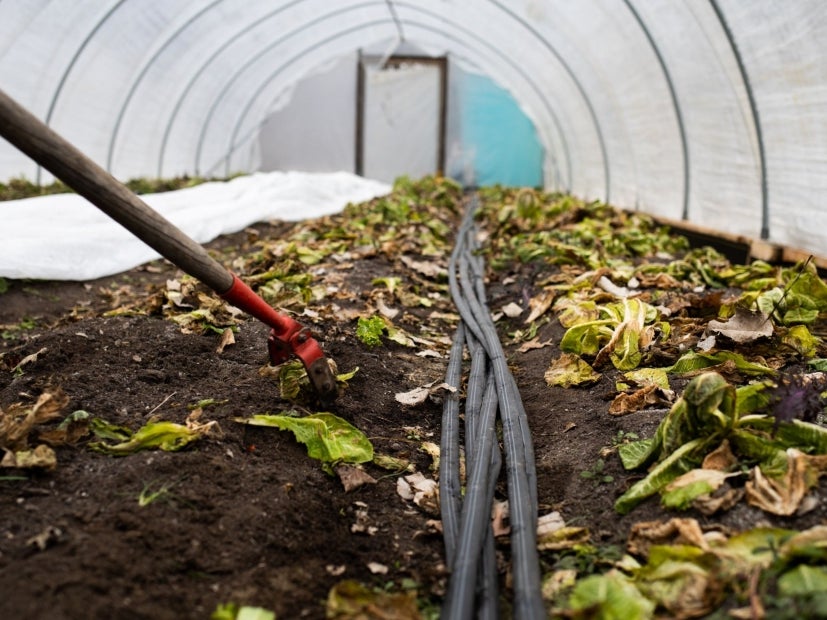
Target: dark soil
point(249, 517)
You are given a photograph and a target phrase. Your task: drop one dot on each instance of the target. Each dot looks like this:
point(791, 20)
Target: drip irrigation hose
point(450, 492)
point(470, 545)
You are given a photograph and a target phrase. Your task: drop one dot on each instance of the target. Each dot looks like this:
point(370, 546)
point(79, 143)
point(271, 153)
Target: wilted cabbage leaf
point(568, 370)
point(166, 436)
point(693, 361)
point(328, 438)
point(787, 459)
point(610, 596)
point(689, 573)
point(623, 332)
point(350, 599)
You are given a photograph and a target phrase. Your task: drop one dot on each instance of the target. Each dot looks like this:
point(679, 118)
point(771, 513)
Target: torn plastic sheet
point(64, 237)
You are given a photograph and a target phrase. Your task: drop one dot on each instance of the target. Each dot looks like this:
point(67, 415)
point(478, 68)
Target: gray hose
point(473, 548)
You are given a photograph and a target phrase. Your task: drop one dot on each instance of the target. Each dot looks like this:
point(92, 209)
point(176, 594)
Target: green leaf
point(255, 613)
point(206, 402)
point(167, 436)
point(612, 596)
point(586, 338)
point(685, 458)
point(328, 438)
point(819, 364)
point(769, 454)
point(803, 580)
point(370, 330)
point(807, 437)
point(682, 491)
point(678, 577)
point(751, 397)
point(105, 430)
point(799, 338)
point(399, 336)
point(572, 312)
point(4, 285)
point(231, 611)
point(344, 377)
point(391, 282)
point(693, 361)
point(636, 453)
point(392, 463)
point(292, 379)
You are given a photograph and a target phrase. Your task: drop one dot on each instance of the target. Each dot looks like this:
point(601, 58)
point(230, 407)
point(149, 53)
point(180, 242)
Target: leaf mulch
point(243, 515)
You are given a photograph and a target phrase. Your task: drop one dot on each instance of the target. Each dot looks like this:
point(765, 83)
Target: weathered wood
point(67, 163)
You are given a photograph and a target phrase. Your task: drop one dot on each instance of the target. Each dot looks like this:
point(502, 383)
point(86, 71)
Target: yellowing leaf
point(41, 457)
point(683, 490)
point(166, 436)
point(568, 370)
point(348, 600)
point(609, 597)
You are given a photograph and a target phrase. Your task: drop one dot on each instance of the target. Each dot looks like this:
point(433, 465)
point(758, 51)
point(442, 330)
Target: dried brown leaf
point(744, 326)
point(352, 477)
point(539, 304)
point(649, 395)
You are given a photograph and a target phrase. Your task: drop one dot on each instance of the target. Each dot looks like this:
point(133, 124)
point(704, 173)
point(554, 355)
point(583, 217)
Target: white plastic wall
point(712, 110)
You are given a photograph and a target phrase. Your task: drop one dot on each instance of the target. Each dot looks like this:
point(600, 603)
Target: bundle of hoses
point(491, 395)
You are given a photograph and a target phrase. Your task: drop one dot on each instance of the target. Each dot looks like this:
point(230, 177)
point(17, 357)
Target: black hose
point(450, 491)
point(472, 559)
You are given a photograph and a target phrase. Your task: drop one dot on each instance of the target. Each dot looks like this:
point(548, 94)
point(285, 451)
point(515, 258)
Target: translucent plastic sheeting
point(314, 129)
point(710, 110)
point(64, 237)
point(402, 104)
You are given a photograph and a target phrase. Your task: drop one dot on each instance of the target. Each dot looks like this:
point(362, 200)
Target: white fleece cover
point(65, 237)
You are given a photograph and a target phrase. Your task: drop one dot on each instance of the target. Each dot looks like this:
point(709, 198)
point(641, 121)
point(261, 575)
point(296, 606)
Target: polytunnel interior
point(361, 389)
point(710, 112)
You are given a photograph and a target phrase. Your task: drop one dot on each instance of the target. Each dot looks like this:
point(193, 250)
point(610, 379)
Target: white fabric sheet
point(64, 237)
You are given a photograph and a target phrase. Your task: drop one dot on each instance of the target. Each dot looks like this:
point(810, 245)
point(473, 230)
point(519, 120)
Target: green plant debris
point(206, 402)
point(692, 362)
point(621, 334)
point(166, 436)
point(785, 459)
point(328, 438)
point(151, 493)
point(294, 383)
point(369, 330)
point(597, 474)
point(350, 599)
point(392, 463)
point(677, 570)
point(233, 611)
